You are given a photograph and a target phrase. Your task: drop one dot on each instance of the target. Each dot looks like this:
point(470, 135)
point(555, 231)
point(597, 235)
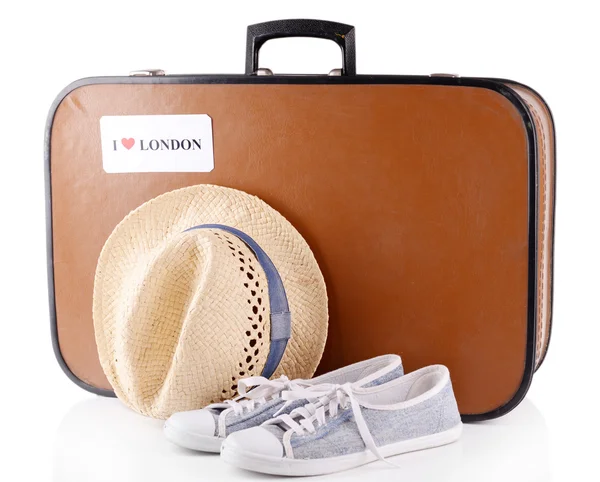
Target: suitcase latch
point(146, 73)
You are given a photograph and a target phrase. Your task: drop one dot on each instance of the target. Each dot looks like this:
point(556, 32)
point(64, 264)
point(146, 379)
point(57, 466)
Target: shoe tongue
point(216, 411)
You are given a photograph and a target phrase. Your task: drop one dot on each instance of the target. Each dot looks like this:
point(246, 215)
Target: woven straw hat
point(198, 288)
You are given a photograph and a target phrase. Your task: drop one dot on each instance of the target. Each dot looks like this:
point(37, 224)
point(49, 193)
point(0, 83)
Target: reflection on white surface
point(101, 440)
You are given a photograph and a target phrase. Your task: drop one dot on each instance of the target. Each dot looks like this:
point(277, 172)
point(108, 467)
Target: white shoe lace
point(330, 399)
point(256, 391)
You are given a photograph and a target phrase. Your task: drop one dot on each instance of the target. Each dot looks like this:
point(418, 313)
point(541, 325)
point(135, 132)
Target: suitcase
point(427, 200)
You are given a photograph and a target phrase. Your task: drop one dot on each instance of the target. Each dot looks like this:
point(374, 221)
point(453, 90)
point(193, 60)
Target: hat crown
point(202, 278)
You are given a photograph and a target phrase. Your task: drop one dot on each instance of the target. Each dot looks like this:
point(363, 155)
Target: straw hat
point(198, 288)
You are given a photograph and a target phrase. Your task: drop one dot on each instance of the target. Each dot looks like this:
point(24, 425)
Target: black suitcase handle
point(341, 34)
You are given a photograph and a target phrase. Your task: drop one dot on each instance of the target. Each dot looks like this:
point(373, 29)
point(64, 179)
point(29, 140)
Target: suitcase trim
point(553, 211)
point(495, 85)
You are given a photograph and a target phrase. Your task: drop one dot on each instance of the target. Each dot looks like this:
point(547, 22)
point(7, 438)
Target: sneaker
point(260, 399)
point(352, 426)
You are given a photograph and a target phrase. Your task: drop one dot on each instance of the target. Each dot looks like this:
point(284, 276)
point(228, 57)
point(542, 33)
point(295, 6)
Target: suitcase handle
point(341, 34)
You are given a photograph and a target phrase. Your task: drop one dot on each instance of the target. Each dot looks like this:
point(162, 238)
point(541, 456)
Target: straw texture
point(180, 316)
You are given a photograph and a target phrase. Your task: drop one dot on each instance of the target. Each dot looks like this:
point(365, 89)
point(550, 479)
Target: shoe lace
point(256, 391)
point(308, 418)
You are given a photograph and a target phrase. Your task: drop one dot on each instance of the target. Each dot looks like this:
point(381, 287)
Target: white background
point(52, 430)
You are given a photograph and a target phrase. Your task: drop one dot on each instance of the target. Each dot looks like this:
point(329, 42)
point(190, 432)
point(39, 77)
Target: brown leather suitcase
point(427, 200)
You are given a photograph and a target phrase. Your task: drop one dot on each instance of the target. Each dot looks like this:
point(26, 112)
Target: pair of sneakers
point(346, 418)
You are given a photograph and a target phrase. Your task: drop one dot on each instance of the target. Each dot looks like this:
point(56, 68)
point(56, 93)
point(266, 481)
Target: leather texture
point(414, 199)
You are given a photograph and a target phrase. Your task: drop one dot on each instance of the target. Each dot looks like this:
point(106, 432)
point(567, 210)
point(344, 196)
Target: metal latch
point(454, 76)
point(146, 73)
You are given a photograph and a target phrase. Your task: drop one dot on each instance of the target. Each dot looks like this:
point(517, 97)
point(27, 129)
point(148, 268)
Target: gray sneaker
point(352, 426)
point(260, 399)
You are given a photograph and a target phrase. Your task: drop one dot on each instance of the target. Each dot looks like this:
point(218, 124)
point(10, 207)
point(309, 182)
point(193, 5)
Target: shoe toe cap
point(197, 422)
point(257, 440)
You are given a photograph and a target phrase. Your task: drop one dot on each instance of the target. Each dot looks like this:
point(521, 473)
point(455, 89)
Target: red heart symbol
point(128, 143)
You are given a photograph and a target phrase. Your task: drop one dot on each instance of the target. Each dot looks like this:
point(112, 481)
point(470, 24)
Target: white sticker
point(157, 143)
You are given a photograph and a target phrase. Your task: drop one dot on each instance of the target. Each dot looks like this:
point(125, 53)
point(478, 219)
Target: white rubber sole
point(192, 441)
point(300, 467)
